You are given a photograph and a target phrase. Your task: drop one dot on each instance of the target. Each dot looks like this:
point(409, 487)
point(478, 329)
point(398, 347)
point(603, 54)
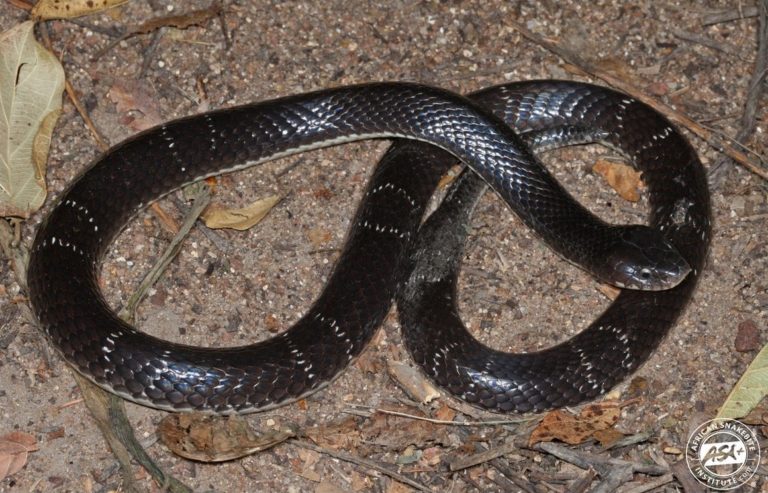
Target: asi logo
point(722, 454)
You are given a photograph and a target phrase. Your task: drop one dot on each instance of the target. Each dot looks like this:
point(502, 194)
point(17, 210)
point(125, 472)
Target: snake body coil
point(72, 240)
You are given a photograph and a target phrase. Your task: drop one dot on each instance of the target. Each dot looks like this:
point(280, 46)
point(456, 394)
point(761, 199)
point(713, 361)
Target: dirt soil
point(516, 295)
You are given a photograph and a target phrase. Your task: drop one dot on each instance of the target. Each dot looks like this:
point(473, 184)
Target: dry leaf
point(445, 413)
point(621, 177)
point(31, 84)
point(751, 388)
point(214, 439)
point(608, 437)
point(67, 9)
point(563, 426)
point(14, 449)
point(217, 217)
point(319, 236)
point(135, 101)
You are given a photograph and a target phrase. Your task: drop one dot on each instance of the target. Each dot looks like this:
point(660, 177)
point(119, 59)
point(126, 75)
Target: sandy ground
point(516, 294)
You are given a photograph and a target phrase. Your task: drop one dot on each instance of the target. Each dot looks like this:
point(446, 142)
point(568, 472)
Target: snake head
point(643, 259)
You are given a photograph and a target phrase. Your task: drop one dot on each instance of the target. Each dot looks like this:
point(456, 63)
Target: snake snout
point(645, 260)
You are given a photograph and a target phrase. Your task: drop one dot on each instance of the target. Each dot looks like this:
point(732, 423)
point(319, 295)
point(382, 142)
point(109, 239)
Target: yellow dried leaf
point(67, 9)
point(622, 178)
point(217, 217)
point(31, 85)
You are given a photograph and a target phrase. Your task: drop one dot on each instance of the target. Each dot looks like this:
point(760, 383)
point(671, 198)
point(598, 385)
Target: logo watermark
point(722, 454)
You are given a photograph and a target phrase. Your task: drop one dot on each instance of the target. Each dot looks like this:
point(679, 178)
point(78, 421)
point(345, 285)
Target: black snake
point(72, 240)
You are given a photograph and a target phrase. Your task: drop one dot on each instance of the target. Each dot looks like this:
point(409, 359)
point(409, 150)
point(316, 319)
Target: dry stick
point(601, 464)
point(202, 197)
point(683, 475)
point(109, 410)
point(755, 90)
point(678, 117)
point(465, 462)
point(729, 15)
point(377, 466)
point(150, 51)
point(109, 413)
point(495, 458)
point(179, 21)
point(583, 482)
point(100, 141)
point(20, 4)
point(443, 421)
point(630, 440)
point(503, 466)
point(708, 42)
point(656, 483)
point(617, 476)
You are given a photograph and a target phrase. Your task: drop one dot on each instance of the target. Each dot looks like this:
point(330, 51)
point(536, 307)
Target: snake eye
point(645, 274)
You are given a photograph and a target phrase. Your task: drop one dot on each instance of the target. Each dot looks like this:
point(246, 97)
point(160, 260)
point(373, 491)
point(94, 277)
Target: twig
point(165, 219)
point(201, 201)
point(465, 462)
point(100, 140)
point(676, 116)
point(150, 51)
point(377, 466)
point(110, 31)
point(500, 463)
point(617, 476)
point(682, 473)
point(71, 403)
point(108, 410)
point(221, 243)
point(630, 440)
point(650, 485)
point(179, 21)
point(511, 483)
point(109, 413)
point(755, 90)
point(729, 15)
point(601, 464)
point(443, 421)
point(552, 477)
point(583, 482)
point(20, 4)
point(503, 466)
point(705, 41)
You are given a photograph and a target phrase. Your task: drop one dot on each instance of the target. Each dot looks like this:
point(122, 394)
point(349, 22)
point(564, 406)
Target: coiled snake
point(72, 240)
